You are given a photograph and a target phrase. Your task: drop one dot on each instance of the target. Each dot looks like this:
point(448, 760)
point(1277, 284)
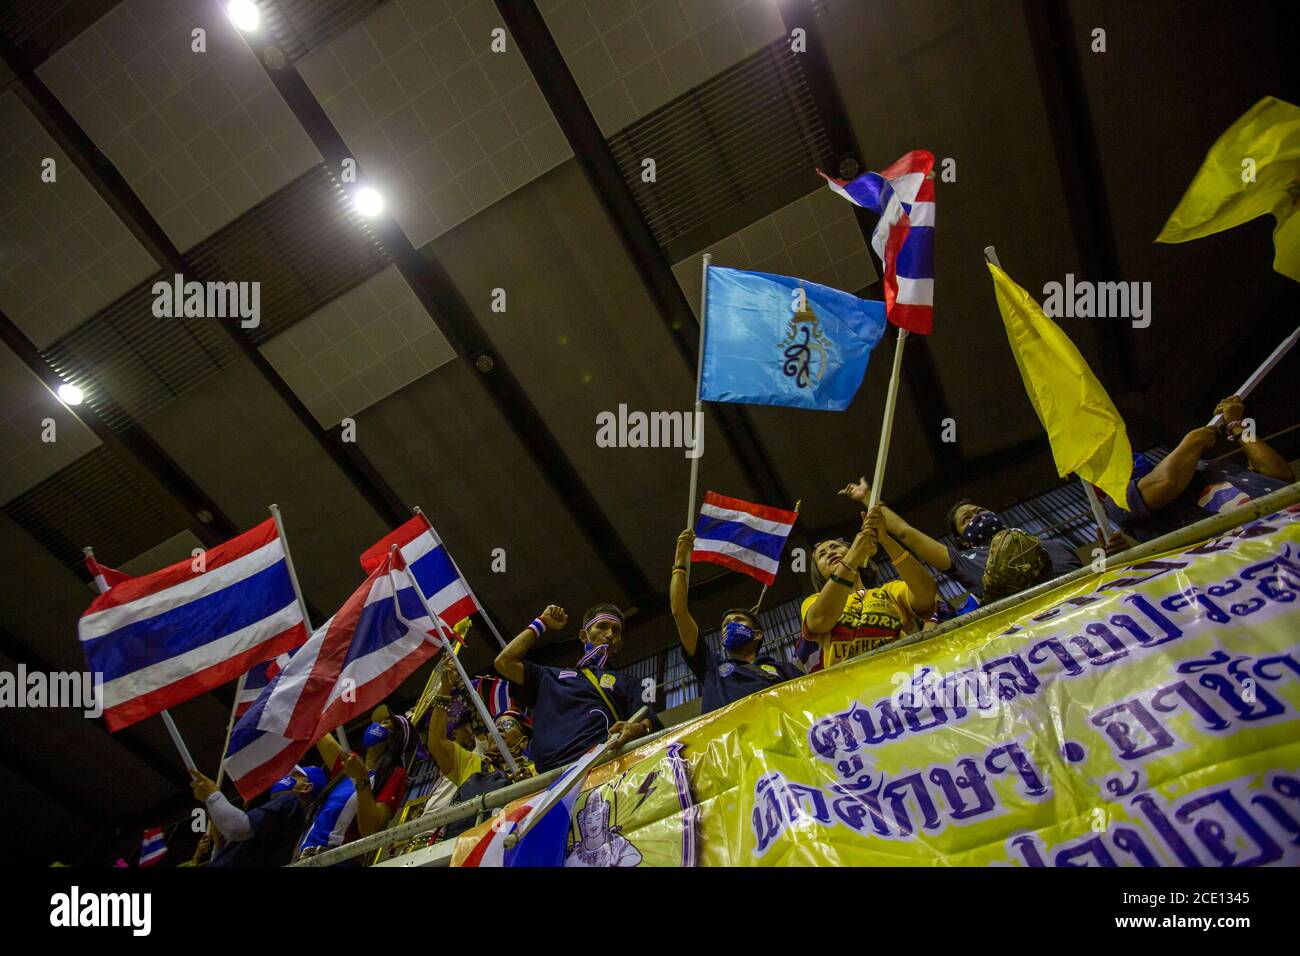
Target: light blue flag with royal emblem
point(776, 340)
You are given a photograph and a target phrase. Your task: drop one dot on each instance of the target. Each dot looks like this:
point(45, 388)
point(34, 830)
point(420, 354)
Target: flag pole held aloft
point(1257, 376)
point(479, 604)
point(699, 407)
point(887, 426)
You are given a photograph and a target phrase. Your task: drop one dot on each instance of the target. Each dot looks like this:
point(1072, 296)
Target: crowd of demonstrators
point(1184, 487)
point(548, 716)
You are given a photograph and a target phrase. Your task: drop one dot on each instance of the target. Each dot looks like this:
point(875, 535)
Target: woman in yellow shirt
point(848, 613)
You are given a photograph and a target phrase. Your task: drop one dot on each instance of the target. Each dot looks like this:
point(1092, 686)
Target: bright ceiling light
point(243, 14)
point(368, 201)
point(70, 394)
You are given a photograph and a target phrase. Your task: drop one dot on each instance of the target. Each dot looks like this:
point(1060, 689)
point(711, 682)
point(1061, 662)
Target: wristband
point(442, 701)
point(902, 557)
point(679, 570)
point(537, 626)
point(839, 580)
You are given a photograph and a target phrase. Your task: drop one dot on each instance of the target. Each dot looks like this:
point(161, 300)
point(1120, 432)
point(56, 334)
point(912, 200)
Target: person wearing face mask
point(265, 835)
point(576, 707)
point(742, 671)
point(474, 772)
point(363, 792)
point(1019, 560)
point(848, 613)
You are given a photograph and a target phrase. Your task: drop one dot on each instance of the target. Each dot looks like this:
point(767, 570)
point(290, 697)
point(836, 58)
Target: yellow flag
point(1087, 434)
point(1253, 169)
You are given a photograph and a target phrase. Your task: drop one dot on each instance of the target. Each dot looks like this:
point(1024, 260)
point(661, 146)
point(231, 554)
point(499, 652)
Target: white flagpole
point(448, 650)
point(553, 798)
point(1098, 512)
point(1257, 376)
point(699, 407)
point(470, 590)
point(170, 724)
point(887, 426)
point(230, 729)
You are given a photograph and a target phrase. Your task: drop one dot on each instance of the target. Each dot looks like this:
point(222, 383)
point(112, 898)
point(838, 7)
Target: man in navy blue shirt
point(742, 671)
point(1183, 489)
point(576, 707)
point(265, 835)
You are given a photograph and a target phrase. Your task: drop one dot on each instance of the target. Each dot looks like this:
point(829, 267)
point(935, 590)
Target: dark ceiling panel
point(40, 27)
point(299, 26)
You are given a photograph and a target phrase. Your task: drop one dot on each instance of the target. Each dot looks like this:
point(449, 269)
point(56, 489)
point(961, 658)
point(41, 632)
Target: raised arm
point(921, 588)
point(329, 749)
point(440, 748)
point(828, 607)
point(932, 552)
point(510, 662)
point(1260, 456)
point(1161, 486)
point(688, 632)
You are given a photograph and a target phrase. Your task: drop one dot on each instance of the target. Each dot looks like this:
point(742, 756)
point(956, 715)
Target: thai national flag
point(1221, 497)
point(903, 194)
point(152, 847)
point(743, 536)
point(166, 637)
point(354, 660)
point(104, 577)
point(546, 840)
point(427, 557)
point(255, 682)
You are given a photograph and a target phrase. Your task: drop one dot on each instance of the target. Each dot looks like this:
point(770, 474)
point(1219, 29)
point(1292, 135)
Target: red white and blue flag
point(544, 816)
point(435, 571)
point(255, 682)
point(152, 847)
point(357, 658)
point(742, 536)
point(903, 194)
point(166, 637)
point(103, 576)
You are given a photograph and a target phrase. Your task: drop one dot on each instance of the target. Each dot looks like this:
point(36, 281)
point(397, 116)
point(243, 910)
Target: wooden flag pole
point(887, 426)
point(698, 450)
point(477, 603)
point(450, 651)
point(172, 730)
point(1098, 512)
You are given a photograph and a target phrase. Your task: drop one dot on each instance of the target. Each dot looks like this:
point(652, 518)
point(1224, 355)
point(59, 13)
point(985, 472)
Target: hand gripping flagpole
point(1258, 375)
point(1098, 512)
point(464, 580)
point(698, 450)
point(172, 730)
point(887, 426)
point(451, 655)
point(533, 817)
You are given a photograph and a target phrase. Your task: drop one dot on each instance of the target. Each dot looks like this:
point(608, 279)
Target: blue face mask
point(736, 634)
point(981, 528)
point(375, 734)
point(283, 784)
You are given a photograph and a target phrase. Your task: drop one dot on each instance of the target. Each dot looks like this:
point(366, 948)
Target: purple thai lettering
point(1168, 630)
point(1096, 657)
point(1213, 831)
point(1265, 704)
point(1121, 734)
point(971, 779)
point(857, 805)
point(1008, 683)
point(1028, 847)
point(1186, 598)
point(897, 791)
point(1036, 656)
point(1186, 694)
point(1093, 846)
point(1156, 816)
point(1131, 842)
point(1029, 775)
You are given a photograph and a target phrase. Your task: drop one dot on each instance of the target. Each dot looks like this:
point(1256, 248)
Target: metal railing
point(1183, 537)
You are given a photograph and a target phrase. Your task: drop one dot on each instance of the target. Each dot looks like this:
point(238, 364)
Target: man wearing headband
point(576, 707)
point(1184, 488)
point(742, 671)
point(264, 836)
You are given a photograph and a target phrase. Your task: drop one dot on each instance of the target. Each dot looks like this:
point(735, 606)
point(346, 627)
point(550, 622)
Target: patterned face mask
point(981, 528)
point(736, 634)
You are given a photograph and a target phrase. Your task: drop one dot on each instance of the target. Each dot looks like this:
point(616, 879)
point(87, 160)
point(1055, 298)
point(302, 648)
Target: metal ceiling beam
point(448, 309)
point(920, 373)
point(1052, 38)
point(117, 193)
point(594, 156)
